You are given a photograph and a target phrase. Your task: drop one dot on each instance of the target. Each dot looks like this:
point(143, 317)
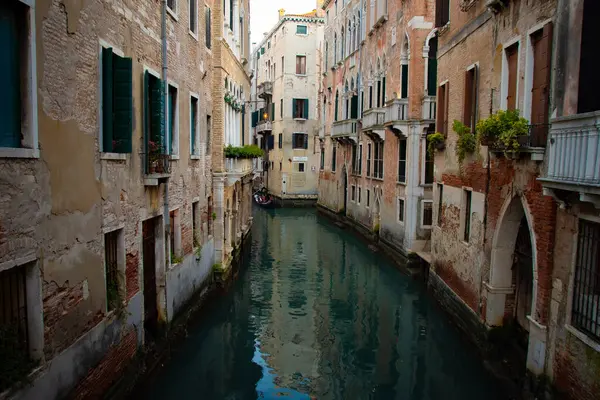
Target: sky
point(264, 15)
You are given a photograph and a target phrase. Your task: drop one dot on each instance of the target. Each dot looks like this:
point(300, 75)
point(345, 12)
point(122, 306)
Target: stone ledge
point(8, 152)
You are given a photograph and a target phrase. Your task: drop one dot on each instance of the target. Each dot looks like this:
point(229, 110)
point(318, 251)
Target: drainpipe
point(167, 147)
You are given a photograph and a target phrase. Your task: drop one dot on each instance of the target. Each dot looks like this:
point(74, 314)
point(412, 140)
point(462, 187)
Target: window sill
point(8, 152)
point(113, 156)
point(174, 157)
point(172, 14)
point(377, 179)
point(195, 157)
point(194, 35)
point(301, 34)
point(401, 183)
point(300, 119)
point(583, 337)
point(302, 75)
point(426, 226)
point(427, 185)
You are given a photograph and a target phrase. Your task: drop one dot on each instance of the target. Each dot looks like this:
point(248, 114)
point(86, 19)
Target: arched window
point(347, 101)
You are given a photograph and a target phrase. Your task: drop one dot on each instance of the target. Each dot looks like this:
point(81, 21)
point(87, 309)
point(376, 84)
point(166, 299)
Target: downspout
point(167, 147)
point(485, 205)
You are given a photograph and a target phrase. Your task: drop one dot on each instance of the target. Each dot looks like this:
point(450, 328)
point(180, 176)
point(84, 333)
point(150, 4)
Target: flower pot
point(523, 140)
point(440, 146)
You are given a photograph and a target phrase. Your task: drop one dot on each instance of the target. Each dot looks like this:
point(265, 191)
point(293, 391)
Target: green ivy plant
point(434, 141)
point(503, 130)
point(466, 143)
point(214, 216)
point(175, 259)
point(247, 151)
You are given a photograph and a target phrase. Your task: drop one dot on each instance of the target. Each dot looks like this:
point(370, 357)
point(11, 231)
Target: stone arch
point(514, 212)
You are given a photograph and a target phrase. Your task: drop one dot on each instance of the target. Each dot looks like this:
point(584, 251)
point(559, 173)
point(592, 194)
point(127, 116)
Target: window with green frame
point(301, 29)
point(154, 129)
point(117, 102)
point(11, 43)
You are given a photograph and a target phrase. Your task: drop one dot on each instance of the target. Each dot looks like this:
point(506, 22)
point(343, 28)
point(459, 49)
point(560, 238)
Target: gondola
point(264, 199)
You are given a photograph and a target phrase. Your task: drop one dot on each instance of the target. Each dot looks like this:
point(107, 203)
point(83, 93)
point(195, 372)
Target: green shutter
point(293, 108)
point(305, 140)
point(272, 111)
point(107, 100)
point(383, 92)
point(10, 77)
point(254, 118)
point(146, 110)
point(262, 50)
point(404, 91)
point(362, 103)
point(156, 102)
point(354, 107)
point(305, 108)
point(122, 106)
point(172, 96)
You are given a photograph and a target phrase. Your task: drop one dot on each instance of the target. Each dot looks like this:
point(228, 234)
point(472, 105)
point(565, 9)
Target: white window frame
point(195, 153)
point(504, 76)
point(302, 34)
point(398, 200)
point(104, 155)
point(192, 33)
point(422, 224)
point(29, 104)
point(173, 12)
point(305, 65)
point(175, 154)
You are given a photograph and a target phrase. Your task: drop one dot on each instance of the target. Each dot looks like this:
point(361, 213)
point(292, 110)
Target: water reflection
point(315, 314)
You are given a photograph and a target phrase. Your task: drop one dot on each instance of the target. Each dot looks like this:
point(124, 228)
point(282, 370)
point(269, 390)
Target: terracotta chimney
point(281, 13)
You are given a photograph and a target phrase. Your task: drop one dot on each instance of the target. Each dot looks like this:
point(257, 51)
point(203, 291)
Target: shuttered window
point(512, 58)
point(333, 158)
point(470, 98)
point(207, 25)
point(540, 91)
point(378, 161)
point(254, 118)
point(272, 111)
point(369, 159)
point(354, 107)
point(193, 125)
point(300, 108)
point(10, 78)
point(280, 140)
point(402, 160)
point(432, 67)
point(301, 65)
point(442, 12)
point(173, 120)
point(441, 124)
point(301, 29)
point(154, 129)
point(299, 141)
point(193, 15)
point(117, 102)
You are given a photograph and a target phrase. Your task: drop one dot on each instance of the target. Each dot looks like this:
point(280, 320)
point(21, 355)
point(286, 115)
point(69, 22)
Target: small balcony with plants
point(157, 163)
point(240, 161)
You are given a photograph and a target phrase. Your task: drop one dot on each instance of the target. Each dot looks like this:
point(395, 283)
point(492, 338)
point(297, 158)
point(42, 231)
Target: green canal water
point(315, 314)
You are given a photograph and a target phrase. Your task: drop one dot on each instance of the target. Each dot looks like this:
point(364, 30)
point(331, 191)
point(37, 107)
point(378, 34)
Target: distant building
point(284, 98)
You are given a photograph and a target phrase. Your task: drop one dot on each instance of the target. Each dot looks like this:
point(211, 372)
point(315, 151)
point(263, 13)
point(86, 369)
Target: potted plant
point(466, 143)
point(436, 141)
point(505, 130)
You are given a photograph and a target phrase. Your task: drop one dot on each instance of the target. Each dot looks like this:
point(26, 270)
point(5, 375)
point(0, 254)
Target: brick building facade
point(91, 178)
point(377, 108)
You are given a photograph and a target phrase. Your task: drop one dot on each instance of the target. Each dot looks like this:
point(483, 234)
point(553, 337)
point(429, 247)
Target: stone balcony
point(265, 89)
point(573, 158)
point(373, 122)
point(346, 130)
point(429, 108)
point(264, 127)
point(237, 168)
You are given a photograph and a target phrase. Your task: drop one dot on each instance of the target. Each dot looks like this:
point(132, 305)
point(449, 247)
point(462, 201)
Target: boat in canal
point(264, 199)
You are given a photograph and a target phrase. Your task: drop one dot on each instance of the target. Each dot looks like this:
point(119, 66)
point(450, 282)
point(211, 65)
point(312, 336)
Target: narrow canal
point(315, 314)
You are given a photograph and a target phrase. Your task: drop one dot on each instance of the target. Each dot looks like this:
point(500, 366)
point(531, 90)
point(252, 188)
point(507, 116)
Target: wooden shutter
point(468, 98)
point(254, 118)
point(512, 57)
point(305, 140)
point(122, 104)
point(305, 111)
point(383, 91)
point(172, 97)
point(446, 105)
point(271, 142)
point(207, 23)
point(404, 88)
point(354, 107)
point(272, 111)
point(362, 103)
point(432, 67)
point(542, 54)
point(107, 100)
point(441, 109)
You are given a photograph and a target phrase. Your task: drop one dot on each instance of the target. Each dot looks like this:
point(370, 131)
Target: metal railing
point(397, 110)
point(586, 287)
point(538, 135)
point(429, 108)
point(373, 118)
point(157, 163)
point(574, 151)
